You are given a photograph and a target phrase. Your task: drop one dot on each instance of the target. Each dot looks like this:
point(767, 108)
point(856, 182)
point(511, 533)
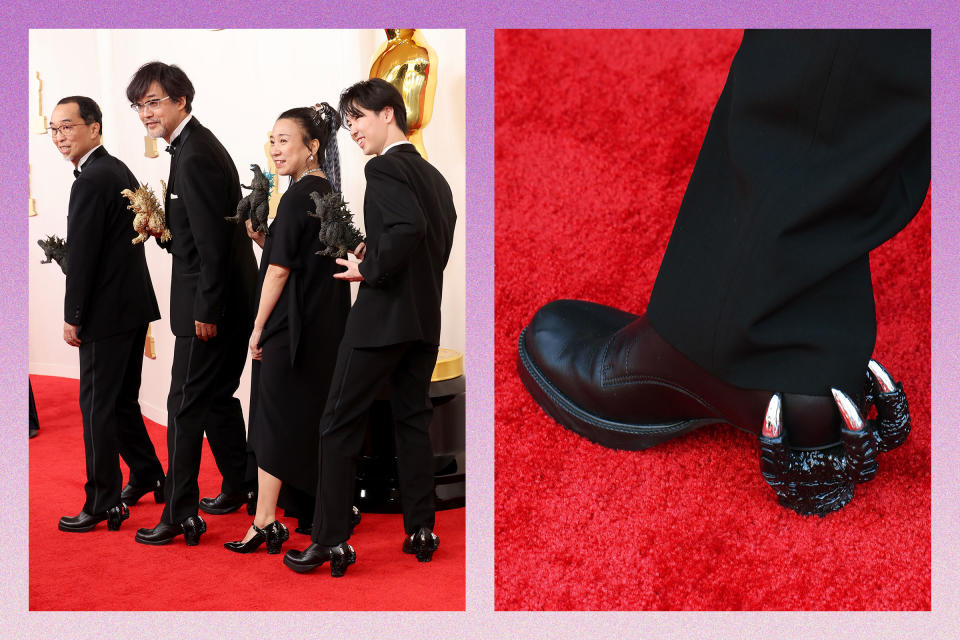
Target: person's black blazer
point(409, 218)
point(214, 276)
point(108, 288)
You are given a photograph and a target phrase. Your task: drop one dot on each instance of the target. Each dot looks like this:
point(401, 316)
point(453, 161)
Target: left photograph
point(247, 319)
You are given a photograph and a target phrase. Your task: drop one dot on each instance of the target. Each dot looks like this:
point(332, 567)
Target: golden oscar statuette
point(39, 120)
point(150, 147)
point(33, 203)
point(150, 346)
point(407, 62)
point(449, 365)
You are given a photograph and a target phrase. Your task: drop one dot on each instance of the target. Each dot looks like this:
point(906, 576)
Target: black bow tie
point(171, 148)
point(76, 173)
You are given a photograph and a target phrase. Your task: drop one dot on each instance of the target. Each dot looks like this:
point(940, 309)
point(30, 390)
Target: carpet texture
point(107, 570)
point(597, 133)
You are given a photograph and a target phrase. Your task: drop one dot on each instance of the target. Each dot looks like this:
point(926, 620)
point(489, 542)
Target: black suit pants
point(110, 371)
point(204, 377)
point(358, 376)
point(817, 152)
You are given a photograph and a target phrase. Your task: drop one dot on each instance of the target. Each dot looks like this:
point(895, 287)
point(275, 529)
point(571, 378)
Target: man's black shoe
point(191, 528)
point(83, 521)
point(224, 504)
point(131, 493)
point(340, 556)
point(422, 544)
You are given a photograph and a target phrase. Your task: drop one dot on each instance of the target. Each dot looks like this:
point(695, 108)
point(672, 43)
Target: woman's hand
point(360, 251)
point(255, 351)
point(259, 237)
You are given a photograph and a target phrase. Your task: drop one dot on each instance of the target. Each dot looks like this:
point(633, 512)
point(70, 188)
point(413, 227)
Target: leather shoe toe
point(223, 503)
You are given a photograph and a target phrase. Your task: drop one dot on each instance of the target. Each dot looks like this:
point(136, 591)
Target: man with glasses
point(212, 304)
point(108, 304)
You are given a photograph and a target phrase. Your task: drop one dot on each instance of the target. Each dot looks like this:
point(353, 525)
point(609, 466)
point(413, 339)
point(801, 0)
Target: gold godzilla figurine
point(149, 219)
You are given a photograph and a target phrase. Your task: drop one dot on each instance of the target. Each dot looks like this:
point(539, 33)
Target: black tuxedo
point(213, 280)
point(818, 151)
point(391, 338)
point(110, 296)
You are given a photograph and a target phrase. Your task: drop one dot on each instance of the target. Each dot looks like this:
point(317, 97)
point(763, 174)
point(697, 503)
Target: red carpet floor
point(596, 135)
point(107, 570)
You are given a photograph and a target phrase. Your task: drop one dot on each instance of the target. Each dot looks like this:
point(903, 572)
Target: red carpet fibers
point(596, 135)
point(107, 570)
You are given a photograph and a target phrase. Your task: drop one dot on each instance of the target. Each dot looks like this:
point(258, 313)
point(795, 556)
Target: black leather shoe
point(422, 543)
point(84, 521)
point(192, 528)
point(340, 557)
point(225, 504)
point(607, 375)
point(274, 534)
point(132, 493)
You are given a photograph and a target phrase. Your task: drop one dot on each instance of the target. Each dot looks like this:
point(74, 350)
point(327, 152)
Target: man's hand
point(205, 331)
point(352, 274)
point(70, 334)
point(259, 237)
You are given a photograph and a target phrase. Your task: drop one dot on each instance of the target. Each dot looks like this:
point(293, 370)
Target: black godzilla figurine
point(54, 249)
point(336, 224)
point(256, 204)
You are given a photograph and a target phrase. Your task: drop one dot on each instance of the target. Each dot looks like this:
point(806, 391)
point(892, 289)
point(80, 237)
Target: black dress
point(299, 341)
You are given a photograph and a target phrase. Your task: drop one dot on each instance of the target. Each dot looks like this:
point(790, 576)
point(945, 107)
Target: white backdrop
point(243, 80)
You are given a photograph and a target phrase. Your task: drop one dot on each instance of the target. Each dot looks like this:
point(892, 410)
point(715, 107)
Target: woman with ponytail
point(300, 321)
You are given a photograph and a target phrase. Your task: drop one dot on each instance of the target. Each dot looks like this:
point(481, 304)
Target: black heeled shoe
point(421, 544)
point(341, 556)
point(131, 493)
point(274, 534)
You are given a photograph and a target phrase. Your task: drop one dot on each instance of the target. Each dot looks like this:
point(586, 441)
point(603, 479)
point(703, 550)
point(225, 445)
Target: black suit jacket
point(409, 218)
point(214, 276)
point(108, 288)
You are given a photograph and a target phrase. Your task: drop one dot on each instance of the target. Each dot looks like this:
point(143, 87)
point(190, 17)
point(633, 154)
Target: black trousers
point(204, 377)
point(357, 379)
point(110, 371)
point(818, 151)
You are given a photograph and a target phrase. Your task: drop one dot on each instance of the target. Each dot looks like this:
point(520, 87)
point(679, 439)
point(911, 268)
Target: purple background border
point(480, 18)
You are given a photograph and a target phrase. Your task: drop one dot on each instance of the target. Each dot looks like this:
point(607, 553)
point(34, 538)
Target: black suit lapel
point(99, 153)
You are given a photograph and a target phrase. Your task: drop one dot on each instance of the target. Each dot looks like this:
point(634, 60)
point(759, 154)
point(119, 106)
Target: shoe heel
point(116, 516)
point(193, 531)
point(342, 558)
point(276, 535)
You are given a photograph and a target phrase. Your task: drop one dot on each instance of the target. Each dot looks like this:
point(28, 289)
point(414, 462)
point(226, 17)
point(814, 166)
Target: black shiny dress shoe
point(340, 557)
point(307, 529)
point(607, 375)
point(422, 544)
point(223, 503)
point(192, 528)
point(132, 493)
point(84, 521)
point(274, 534)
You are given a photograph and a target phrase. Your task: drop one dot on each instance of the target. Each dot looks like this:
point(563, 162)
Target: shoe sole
point(78, 529)
point(155, 543)
point(299, 568)
point(603, 431)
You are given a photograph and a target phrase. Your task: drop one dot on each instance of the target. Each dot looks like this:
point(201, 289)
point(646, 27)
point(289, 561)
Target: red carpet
point(107, 570)
point(596, 135)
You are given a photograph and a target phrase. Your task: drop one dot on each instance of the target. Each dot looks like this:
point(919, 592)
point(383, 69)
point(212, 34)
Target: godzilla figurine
point(149, 219)
point(336, 224)
point(256, 204)
point(55, 250)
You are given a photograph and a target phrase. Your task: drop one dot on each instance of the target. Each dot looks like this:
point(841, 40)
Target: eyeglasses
point(151, 104)
point(65, 129)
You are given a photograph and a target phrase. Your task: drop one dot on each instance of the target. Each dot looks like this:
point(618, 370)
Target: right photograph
point(712, 341)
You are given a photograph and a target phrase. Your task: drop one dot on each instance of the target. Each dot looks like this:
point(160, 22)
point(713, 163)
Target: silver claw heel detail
point(821, 481)
point(893, 413)
point(808, 482)
point(859, 440)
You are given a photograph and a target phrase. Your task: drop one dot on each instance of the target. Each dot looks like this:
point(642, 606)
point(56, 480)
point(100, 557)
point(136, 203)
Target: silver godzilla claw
point(893, 413)
point(859, 442)
point(808, 482)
